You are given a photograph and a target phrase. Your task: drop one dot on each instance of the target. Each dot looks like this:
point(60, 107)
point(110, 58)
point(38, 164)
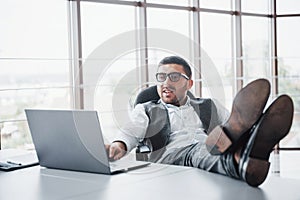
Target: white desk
point(152, 182)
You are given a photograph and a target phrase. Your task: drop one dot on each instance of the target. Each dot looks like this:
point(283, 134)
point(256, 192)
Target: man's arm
point(129, 136)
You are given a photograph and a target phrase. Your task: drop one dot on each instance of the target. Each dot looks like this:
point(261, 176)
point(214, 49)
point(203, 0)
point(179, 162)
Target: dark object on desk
point(9, 166)
point(19, 162)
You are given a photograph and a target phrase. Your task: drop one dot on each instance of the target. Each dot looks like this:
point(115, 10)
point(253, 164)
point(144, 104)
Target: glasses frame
point(169, 75)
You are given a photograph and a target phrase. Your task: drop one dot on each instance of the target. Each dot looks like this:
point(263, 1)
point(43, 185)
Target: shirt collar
point(187, 103)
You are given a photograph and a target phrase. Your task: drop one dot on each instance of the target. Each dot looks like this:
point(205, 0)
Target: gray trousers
point(196, 155)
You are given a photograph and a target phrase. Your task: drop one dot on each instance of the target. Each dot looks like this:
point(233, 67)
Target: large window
point(256, 47)
point(109, 65)
point(289, 70)
point(99, 54)
point(174, 26)
point(216, 42)
point(34, 64)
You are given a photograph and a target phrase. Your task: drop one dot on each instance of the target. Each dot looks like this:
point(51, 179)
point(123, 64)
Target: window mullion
point(142, 44)
point(196, 47)
point(237, 46)
point(76, 55)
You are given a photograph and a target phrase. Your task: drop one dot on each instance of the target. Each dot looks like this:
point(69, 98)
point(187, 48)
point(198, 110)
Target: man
point(200, 133)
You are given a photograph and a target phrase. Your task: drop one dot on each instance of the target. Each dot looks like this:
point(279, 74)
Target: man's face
point(173, 92)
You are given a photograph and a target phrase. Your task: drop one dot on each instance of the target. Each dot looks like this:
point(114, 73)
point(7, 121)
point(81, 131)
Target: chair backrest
point(146, 95)
point(150, 94)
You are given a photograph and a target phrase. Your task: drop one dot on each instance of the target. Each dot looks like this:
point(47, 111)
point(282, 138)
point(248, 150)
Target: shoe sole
point(273, 126)
point(248, 106)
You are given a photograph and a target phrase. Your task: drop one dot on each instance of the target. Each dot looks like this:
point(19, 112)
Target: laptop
point(73, 140)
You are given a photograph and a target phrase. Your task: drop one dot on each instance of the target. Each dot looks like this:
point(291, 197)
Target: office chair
point(149, 94)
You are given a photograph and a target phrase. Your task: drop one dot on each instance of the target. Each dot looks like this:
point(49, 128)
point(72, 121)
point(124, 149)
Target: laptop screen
point(68, 139)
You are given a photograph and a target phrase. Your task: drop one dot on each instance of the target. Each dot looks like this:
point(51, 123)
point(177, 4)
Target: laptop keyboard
point(126, 164)
point(119, 164)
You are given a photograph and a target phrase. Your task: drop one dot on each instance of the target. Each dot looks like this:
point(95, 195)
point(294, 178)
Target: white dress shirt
point(186, 127)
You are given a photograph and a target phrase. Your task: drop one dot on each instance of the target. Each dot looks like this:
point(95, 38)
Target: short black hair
point(179, 61)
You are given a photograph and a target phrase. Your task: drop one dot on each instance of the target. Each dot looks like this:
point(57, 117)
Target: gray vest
point(159, 129)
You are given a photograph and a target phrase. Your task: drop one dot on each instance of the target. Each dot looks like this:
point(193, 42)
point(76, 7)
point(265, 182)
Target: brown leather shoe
point(247, 108)
point(271, 128)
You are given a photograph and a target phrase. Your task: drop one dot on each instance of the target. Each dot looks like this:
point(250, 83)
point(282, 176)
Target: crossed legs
point(250, 134)
point(241, 147)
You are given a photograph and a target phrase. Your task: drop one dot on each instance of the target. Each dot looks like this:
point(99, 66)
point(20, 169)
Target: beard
point(169, 96)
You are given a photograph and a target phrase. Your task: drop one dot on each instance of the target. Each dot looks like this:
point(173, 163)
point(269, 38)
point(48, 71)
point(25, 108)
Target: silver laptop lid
point(68, 139)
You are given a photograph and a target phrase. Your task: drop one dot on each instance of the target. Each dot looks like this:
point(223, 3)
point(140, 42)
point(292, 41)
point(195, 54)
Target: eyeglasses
point(173, 76)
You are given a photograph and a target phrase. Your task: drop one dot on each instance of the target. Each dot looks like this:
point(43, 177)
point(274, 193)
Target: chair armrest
point(142, 151)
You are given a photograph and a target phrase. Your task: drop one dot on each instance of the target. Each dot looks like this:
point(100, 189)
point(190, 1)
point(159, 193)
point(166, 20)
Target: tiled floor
point(285, 164)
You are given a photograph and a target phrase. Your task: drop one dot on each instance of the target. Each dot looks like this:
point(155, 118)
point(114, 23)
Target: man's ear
point(190, 84)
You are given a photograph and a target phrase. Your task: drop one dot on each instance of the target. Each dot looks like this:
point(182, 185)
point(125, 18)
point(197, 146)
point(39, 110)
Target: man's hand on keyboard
point(116, 150)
